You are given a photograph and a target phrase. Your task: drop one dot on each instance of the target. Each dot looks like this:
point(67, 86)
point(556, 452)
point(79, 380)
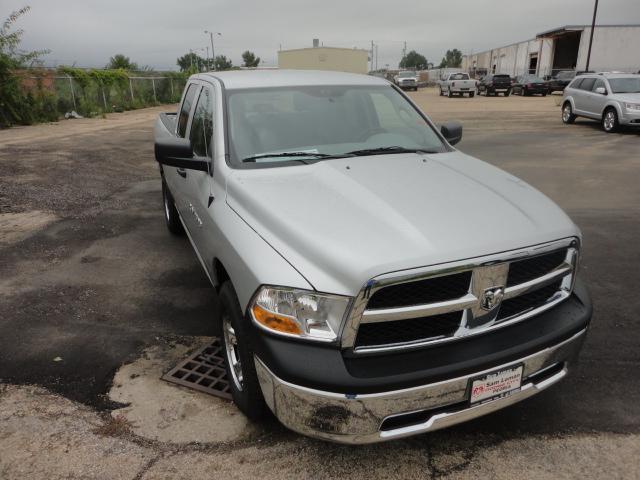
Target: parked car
point(613, 99)
point(407, 80)
point(494, 84)
point(560, 81)
point(457, 84)
point(529, 85)
point(333, 219)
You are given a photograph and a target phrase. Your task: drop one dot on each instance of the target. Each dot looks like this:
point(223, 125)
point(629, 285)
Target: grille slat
point(528, 301)
point(430, 290)
point(521, 271)
point(404, 331)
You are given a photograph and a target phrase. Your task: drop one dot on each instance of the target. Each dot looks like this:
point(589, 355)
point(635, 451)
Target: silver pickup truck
point(374, 282)
point(457, 84)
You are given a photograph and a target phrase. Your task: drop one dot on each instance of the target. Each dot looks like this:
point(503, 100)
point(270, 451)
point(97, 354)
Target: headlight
point(299, 313)
point(632, 106)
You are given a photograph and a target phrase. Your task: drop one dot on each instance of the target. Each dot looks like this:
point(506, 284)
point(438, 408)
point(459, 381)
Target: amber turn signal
point(275, 321)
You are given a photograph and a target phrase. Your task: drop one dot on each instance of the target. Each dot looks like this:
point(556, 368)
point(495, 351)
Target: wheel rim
point(233, 356)
point(566, 113)
point(609, 121)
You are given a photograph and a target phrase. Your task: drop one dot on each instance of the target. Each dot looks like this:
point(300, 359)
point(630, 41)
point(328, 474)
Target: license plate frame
point(494, 385)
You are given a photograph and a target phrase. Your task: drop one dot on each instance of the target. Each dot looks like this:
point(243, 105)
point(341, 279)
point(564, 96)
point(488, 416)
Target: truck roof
point(240, 79)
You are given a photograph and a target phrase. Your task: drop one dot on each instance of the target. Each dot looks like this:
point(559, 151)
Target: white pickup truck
point(457, 83)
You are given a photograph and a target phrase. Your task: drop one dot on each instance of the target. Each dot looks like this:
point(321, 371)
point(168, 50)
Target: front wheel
point(238, 356)
point(567, 114)
point(610, 120)
point(171, 217)
point(507, 93)
point(471, 94)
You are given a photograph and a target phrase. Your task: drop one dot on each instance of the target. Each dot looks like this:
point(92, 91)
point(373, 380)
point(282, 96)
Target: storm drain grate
point(203, 371)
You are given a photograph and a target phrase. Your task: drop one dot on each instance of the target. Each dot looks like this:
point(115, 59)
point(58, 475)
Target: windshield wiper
point(291, 154)
point(388, 150)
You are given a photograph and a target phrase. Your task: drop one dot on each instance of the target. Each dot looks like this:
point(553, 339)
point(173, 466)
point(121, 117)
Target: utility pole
point(593, 27)
point(208, 62)
point(371, 55)
point(376, 57)
point(213, 55)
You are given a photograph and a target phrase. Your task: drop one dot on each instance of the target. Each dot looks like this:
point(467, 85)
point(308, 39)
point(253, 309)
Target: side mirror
point(601, 90)
point(452, 131)
point(177, 152)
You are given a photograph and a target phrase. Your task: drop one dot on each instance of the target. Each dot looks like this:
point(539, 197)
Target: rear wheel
point(449, 94)
point(171, 216)
point(238, 355)
point(471, 94)
point(610, 120)
point(567, 114)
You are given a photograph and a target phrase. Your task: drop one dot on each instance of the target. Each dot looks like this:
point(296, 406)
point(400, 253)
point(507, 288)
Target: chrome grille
point(453, 301)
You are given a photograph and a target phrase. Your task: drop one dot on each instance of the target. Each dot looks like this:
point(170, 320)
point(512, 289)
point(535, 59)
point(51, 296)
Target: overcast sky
point(156, 32)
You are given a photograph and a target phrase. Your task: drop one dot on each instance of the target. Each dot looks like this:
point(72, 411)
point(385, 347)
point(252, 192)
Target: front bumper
point(375, 417)
point(630, 118)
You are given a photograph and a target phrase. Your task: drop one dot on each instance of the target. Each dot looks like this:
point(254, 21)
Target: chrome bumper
point(357, 419)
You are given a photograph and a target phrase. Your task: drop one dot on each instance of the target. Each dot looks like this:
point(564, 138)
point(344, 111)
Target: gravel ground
point(91, 283)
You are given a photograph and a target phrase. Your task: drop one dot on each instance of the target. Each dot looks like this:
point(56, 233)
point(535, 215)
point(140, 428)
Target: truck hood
point(341, 222)
point(627, 97)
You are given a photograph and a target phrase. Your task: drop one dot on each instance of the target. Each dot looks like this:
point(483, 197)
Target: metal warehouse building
point(352, 60)
point(615, 47)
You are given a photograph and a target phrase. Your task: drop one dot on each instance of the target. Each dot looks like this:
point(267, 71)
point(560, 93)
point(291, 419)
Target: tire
point(507, 93)
point(449, 94)
point(171, 216)
point(610, 122)
point(567, 114)
point(441, 92)
point(471, 94)
point(241, 371)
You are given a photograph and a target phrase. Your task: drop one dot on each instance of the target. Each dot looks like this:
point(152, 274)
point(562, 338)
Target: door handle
point(182, 172)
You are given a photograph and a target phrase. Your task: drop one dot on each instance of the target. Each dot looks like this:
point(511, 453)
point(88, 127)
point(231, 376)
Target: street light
point(213, 55)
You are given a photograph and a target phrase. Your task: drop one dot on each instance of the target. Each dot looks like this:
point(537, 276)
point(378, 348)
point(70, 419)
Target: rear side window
point(587, 84)
point(597, 84)
point(202, 125)
point(576, 83)
point(183, 119)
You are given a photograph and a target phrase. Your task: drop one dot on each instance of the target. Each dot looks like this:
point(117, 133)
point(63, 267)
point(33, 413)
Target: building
point(615, 47)
point(352, 60)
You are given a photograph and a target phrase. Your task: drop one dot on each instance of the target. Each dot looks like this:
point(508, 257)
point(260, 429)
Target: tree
point(452, 59)
point(192, 62)
point(16, 105)
point(250, 60)
point(414, 60)
point(222, 63)
point(120, 61)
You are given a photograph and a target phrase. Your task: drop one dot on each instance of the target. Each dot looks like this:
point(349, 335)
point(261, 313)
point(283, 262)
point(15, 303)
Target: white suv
point(612, 98)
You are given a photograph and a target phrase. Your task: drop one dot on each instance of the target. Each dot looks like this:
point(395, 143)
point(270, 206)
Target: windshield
point(566, 75)
point(321, 121)
point(625, 85)
point(406, 74)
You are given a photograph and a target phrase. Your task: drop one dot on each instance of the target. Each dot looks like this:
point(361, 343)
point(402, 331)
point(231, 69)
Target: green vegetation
point(414, 60)
point(17, 104)
point(452, 59)
point(249, 59)
point(120, 62)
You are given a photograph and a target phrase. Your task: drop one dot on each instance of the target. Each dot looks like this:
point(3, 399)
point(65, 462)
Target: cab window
point(183, 118)
point(587, 84)
point(599, 83)
point(202, 125)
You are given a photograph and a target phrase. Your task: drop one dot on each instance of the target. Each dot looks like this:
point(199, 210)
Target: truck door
point(198, 185)
point(594, 101)
point(176, 177)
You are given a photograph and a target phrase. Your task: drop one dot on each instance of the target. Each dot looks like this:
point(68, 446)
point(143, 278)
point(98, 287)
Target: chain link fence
point(91, 97)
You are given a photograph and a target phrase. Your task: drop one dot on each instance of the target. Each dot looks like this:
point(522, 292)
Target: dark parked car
point(560, 81)
point(494, 84)
point(529, 85)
